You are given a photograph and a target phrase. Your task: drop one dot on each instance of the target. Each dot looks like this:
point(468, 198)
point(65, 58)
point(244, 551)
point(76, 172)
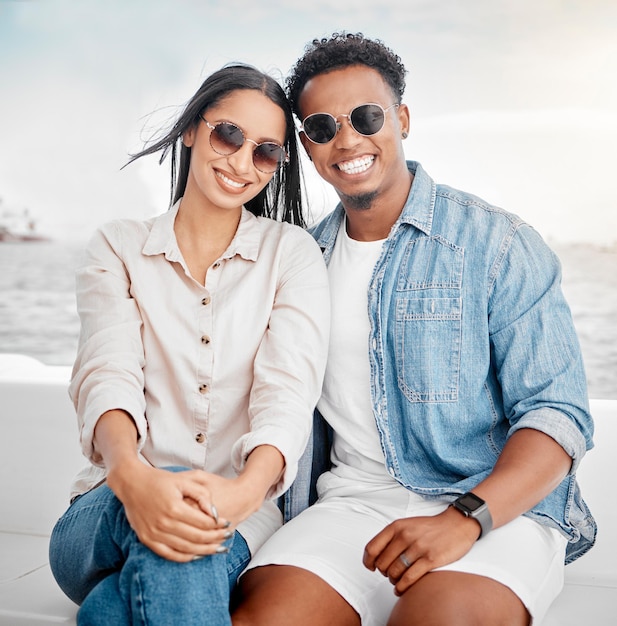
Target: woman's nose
point(242, 160)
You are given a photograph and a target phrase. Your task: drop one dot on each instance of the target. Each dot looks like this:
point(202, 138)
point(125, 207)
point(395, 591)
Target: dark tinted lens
point(226, 138)
point(320, 127)
point(367, 119)
point(268, 156)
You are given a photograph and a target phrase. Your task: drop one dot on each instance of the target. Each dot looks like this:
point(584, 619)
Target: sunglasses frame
point(213, 128)
point(339, 125)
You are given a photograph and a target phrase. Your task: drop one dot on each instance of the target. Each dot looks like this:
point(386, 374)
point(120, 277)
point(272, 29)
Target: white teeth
point(357, 165)
point(228, 181)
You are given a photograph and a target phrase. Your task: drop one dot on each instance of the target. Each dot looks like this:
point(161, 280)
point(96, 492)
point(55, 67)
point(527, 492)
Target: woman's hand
point(181, 515)
point(159, 505)
point(171, 512)
point(237, 498)
point(425, 542)
point(234, 498)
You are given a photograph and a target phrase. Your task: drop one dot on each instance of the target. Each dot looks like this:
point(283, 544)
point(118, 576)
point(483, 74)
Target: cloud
point(488, 85)
point(553, 168)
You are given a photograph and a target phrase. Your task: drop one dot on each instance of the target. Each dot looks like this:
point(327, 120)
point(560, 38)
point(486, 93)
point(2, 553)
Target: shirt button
point(203, 388)
point(205, 339)
point(206, 300)
point(200, 437)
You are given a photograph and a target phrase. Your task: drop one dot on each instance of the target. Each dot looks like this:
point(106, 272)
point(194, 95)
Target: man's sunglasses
point(226, 138)
point(365, 119)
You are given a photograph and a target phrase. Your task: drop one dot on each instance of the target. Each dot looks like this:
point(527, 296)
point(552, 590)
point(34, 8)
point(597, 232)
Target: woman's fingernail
point(222, 550)
point(228, 535)
point(215, 513)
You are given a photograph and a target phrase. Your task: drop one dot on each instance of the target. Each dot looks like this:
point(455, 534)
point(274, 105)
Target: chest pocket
point(428, 318)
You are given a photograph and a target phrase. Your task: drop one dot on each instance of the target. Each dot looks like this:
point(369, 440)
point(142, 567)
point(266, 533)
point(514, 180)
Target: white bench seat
point(40, 455)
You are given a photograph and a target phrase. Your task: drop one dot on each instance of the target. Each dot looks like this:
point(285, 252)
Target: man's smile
point(356, 166)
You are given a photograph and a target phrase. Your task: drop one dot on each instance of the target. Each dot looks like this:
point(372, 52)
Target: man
point(455, 387)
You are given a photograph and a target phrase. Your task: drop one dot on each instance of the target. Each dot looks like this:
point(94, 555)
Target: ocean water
point(38, 317)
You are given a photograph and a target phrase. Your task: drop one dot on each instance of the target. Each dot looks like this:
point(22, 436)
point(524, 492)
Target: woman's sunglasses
point(365, 119)
point(226, 138)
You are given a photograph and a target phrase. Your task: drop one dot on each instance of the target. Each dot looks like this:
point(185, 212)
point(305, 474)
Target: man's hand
point(425, 542)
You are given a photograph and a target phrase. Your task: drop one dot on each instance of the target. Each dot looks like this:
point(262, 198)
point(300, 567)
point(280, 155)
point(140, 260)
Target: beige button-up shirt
point(208, 372)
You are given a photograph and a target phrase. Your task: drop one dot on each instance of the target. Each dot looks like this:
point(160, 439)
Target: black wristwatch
point(471, 506)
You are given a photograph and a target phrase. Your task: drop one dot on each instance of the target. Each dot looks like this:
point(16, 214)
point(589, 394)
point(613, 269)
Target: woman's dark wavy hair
point(343, 50)
point(281, 198)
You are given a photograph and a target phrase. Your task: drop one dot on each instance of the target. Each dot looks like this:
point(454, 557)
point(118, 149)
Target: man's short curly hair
point(343, 50)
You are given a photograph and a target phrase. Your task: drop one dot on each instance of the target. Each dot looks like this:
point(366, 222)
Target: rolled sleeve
point(560, 427)
point(290, 362)
point(108, 369)
point(537, 353)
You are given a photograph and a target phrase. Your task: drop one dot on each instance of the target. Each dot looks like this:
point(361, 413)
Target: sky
point(514, 101)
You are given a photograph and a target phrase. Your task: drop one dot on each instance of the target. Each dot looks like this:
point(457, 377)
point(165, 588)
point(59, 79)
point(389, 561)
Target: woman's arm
point(290, 362)
point(159, 505)
point(108, 369)
point(237, 498)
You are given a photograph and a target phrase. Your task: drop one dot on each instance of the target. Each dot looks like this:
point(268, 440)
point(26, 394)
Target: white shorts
point(328, 539)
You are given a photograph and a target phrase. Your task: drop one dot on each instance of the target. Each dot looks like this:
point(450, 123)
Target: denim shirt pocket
point(429, 320)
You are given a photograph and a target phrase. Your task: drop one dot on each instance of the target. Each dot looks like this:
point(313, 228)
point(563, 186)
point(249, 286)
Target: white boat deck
point(39, 455)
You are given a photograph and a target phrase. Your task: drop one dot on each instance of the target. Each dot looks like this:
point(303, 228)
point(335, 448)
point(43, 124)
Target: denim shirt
point(471, 340)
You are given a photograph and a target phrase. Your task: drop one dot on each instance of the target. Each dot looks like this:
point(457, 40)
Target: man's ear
point(306, 144)
point(404, 117)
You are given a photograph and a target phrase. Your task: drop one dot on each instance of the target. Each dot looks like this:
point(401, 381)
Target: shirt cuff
point(93, 412)
point(285, 442)
point(560, 427)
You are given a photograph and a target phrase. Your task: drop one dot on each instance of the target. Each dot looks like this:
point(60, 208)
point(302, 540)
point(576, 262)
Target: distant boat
point(19, 226)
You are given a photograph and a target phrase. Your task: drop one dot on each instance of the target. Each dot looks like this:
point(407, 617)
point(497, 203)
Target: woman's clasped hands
point(172, 513)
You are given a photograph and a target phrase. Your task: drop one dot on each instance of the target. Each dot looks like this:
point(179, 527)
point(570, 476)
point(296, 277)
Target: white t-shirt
point(346, 397)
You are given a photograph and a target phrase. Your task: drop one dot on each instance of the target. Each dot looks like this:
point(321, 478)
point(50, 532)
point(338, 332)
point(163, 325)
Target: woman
point(202, 350)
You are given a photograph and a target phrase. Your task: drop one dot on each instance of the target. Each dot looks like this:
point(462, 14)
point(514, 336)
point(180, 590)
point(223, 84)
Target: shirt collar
point(162, 239)
point(417, 211)
point(420, 205)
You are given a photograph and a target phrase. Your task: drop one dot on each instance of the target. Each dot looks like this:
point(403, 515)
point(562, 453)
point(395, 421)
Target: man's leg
point(458, 599)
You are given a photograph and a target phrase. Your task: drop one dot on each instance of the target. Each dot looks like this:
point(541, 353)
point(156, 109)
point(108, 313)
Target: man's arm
point(530, 466)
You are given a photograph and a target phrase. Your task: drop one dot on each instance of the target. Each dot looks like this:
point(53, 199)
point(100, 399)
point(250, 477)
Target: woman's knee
point(104, 605)
point(81, 547)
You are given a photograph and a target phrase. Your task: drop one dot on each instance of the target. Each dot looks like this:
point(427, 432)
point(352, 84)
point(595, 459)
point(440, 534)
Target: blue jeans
point(99, 563)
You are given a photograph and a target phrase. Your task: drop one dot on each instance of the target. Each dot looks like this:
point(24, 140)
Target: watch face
point(471, 502)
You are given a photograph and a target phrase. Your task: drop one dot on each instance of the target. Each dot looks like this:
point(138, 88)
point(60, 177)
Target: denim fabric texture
point(100, 564)
point(471, 340)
